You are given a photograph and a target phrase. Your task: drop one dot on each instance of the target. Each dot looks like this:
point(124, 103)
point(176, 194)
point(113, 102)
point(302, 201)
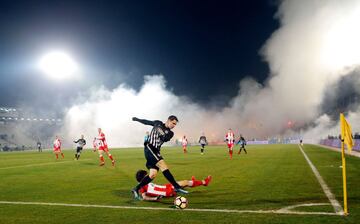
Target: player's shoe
point(113, 163)
point(102, 164)
point(193, 178)
point(207, 180)
point(136, 194)
point(181, 191)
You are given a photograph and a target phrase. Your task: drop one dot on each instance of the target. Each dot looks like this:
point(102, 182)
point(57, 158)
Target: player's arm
point(168, 136)
point(148, 198)
point(84, 142)
point(101, 137)
point(76, 141)
point(94, 144)
point(144, 121)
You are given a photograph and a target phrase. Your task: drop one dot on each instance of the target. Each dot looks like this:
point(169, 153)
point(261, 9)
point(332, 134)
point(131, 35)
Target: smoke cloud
point(316, 46)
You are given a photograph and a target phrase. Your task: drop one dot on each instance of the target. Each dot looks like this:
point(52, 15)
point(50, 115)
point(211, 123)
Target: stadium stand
point(21, 131)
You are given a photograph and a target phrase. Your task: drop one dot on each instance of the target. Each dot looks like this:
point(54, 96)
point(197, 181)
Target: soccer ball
point(180, 202)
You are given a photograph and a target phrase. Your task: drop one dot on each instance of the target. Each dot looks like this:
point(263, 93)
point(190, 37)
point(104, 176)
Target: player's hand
point(134, 118)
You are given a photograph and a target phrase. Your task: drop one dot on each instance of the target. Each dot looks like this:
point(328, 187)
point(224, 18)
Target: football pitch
point(270, 184)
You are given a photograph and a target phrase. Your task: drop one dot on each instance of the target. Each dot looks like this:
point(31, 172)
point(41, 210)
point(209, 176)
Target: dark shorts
point(152, 157)
point(78, 149)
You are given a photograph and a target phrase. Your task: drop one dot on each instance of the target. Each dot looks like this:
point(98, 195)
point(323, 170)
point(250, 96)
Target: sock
point(195, 183)
point(75, 156)
point(57, 156)
point(230, 152)
point(170, 178)
point(111, 157)
point(202, 150)
point(78, 156)
point(102, 159)
point(143, 182)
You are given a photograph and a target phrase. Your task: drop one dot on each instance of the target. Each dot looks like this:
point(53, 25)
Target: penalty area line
point(37, 164)
point(280, 211)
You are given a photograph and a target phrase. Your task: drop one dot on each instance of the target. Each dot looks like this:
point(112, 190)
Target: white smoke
point(317, 44)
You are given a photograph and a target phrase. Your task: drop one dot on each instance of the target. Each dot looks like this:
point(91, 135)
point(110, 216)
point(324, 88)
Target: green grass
point(269, 177)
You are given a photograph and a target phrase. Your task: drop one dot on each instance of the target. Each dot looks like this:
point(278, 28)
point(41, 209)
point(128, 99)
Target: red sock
point(111, 157)
point(197, 183)
point(230, 152)
point(102, 159)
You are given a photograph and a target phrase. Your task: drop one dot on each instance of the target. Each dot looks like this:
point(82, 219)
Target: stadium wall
point(337, 143)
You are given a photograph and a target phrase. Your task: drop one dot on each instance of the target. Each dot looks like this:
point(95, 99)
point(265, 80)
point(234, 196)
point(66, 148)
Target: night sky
point(202, 48)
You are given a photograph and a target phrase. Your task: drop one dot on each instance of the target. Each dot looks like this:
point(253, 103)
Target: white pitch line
point(37, 164)
point(335, 203)
point(288, 208)
point(286, 212)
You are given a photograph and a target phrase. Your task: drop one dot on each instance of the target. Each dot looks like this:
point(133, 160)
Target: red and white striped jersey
point(154, 190)
point(57, 143)
point(101, 140)
point(184, 141)
point(230, 138)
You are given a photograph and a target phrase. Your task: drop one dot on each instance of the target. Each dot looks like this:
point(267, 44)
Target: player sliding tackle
point(154, 192)
point(160, 133)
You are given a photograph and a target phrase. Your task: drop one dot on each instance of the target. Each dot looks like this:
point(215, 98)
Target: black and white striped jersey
point(81, 142)
point(203, 140)
point(158, 135)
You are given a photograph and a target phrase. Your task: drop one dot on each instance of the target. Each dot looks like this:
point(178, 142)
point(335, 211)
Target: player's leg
point(79, 153)
point(75, 156)
point(56, 154)
point(62, 154)
point(229, 148)
point(195, 183)
point(101, 157)
point(167, 174)
point(146, 180)
point(110, 156)
point(244, 149)
point(151, 159)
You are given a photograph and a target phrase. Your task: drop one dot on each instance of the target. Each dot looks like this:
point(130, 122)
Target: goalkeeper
point(160, 133)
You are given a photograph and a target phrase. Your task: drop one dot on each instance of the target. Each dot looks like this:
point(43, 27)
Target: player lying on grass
point(154, 192)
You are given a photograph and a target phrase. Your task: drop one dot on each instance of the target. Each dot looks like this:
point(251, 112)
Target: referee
point(160, 133)
point(81, 142)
